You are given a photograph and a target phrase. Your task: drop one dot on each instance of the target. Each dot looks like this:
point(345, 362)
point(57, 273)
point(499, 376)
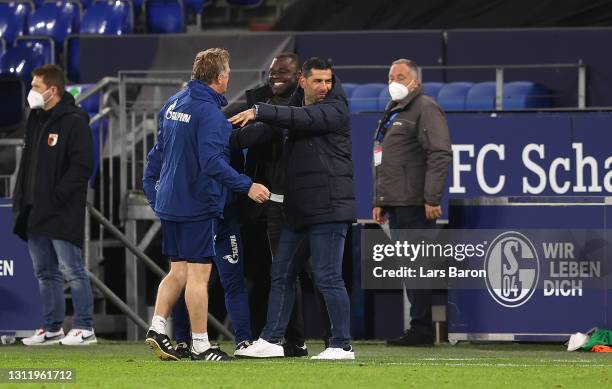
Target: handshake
point(259, 193)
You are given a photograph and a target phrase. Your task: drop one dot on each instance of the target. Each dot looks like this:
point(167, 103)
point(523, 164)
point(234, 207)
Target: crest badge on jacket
point(52, 140)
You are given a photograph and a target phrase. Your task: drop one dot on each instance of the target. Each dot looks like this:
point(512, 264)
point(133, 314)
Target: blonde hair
point(210, 64)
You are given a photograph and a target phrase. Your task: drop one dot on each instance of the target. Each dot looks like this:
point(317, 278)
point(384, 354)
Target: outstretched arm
point(253, 135)
point(326, 116)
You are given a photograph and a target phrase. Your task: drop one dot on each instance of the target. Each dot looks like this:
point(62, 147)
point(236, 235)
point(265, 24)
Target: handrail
point(129, 245)
point(11, 142)
point(460, 67)
point(123, 307)
point(97, 117)
point(96, 87)
point(147, 261)
point(499, 75)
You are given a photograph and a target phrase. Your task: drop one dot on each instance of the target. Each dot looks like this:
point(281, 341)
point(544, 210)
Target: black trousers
point(413, 217)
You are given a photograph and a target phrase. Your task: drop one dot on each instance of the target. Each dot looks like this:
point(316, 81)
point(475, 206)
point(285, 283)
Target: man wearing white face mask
point(412, 152)
point(49, 205)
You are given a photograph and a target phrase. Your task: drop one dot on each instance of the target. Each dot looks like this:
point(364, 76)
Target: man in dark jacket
point(319, 203)
point(49, 205)
point(412, 152)
point(265, 164)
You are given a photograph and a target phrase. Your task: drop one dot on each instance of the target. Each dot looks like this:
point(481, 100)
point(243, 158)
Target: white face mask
point(398, 91)
point(36, 99)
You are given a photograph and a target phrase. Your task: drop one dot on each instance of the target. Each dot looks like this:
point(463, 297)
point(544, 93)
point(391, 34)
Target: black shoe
point(294, 350)
point(212, 354)
point(412, 338)
point(161, 346)
point(242, 345)
point(182, 349)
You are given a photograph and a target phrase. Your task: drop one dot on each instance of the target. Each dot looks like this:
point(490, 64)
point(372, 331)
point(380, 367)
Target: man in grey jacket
point(412, 152)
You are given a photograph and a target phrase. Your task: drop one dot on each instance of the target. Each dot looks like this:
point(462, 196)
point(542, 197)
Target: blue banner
point(20, 303)
point(561, 303)
point(509, 154)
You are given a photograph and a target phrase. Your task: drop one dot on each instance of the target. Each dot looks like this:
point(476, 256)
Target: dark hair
point(315, 63)
point(293, 58)
point(52, 75)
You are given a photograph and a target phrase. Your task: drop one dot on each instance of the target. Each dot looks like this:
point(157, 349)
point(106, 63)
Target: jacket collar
point(403, 103)
point(200, 91)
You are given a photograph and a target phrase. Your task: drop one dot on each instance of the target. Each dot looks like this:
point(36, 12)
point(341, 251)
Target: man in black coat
point(265, 164)
point(319, 202)
point(49, 205)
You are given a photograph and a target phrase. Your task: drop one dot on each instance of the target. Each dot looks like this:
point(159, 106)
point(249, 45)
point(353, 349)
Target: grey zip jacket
point(416, 152)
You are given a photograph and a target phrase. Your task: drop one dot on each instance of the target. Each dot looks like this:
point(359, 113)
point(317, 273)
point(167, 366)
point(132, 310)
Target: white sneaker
point(43, 338)
point(261, 349)
point(335, 353)
point(78, 337)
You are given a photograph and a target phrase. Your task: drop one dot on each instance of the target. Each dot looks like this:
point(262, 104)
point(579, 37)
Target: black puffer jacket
point(319, 187)
point(57, 161)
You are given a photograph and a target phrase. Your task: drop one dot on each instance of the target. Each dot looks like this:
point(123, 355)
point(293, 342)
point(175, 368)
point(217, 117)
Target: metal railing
point(7, 181)
point(499, 75)
point(139, 116)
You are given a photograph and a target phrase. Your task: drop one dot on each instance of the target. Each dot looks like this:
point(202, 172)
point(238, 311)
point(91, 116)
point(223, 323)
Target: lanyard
point(380, 134)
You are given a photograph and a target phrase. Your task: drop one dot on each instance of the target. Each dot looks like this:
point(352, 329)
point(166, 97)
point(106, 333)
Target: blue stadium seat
point(112, 17)
point(165, 16)
point(348, 89)
point(38, 3)
point(56, 20)
point(85, 4)
point(432, 89)
point(21, 61)
point(383, 98)
point(481, 97)
point(12, 100)
point(525, 94)
point(72, 9)
point(13, 18)
point(452, 95)
point(40, 44)
point(2, 47)
point(365, 97)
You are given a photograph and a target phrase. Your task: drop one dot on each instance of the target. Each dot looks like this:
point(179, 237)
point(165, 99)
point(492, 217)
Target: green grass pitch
point(133, 365)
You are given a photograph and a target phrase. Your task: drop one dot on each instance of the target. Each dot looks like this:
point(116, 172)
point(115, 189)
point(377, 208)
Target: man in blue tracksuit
point(229, 261)
point(187, 180)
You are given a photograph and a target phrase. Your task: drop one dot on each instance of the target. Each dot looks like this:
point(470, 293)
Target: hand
point(432, 212)
point(378, 214)
point(259, 193)
point(243, 118)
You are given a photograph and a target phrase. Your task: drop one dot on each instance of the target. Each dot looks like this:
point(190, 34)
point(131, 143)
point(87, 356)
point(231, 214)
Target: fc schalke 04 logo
point(512, 267)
